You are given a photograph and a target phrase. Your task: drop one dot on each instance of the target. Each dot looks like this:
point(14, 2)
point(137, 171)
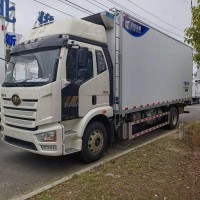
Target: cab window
point(101, 64)
point(75, 73)
point(71, 68)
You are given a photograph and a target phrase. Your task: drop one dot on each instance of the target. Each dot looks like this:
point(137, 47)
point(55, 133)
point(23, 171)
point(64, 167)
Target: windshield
point(36, 68)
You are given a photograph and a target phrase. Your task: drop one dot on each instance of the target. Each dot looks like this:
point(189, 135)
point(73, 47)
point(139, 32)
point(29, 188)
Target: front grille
point(24, 104)
point(10, 111)
point(20, 143)
point(23, 128)
point(23, 116)
point(19, 122)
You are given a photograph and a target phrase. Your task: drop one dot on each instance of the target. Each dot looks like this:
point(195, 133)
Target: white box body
point(152, 68)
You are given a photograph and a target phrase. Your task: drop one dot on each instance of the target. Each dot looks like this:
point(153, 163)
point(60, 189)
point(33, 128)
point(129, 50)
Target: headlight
point(47, 137)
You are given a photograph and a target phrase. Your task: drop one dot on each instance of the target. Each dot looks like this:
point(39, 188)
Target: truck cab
point(56, 83)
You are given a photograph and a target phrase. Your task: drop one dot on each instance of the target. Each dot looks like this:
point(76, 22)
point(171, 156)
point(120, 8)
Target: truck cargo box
point(151, 68)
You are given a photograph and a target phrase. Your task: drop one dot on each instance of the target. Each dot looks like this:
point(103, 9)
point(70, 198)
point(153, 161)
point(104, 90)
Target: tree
point(192, 34)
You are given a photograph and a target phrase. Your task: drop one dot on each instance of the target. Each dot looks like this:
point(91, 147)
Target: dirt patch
point(167, 169)
point(192, 136)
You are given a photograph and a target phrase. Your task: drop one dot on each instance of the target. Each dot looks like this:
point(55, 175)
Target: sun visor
point(105, 19)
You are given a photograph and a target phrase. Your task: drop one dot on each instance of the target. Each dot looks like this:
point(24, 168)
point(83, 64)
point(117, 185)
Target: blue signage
point(45, 18)
point(134, 28)
point(5, 11)
point(109, 15)
point(10, 40)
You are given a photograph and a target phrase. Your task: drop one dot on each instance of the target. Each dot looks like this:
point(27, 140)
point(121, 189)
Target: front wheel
point(94, 142)
point(173, 118)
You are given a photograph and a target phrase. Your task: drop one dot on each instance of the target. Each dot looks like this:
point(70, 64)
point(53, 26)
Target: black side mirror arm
point(7, 61)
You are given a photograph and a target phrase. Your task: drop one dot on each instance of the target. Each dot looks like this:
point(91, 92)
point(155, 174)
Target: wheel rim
point(174, 117)
point(95, 142)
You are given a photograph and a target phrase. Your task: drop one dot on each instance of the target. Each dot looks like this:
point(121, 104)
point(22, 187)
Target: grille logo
point(16, 100)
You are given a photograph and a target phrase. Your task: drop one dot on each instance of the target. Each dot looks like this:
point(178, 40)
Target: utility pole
point(191, 4)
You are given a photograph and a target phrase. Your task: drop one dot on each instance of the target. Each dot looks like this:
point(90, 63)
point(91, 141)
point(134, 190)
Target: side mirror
point(82, 57)
point(82, 74)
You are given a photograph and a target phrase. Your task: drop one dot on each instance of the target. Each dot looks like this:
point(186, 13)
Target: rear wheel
point(173, 118)
point(94, 142)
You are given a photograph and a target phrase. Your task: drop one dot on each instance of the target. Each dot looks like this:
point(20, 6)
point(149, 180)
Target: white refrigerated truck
point(196, 88)
point(75, 85)
point(195, 91)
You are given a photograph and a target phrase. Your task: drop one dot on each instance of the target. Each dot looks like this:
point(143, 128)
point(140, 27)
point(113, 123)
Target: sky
point(171, 16)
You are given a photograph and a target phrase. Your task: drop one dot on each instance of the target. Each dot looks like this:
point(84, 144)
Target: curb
point(49, 186)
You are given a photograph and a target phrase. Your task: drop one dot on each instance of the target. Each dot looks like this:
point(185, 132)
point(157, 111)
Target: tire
point(173, 118)
point(94, 142)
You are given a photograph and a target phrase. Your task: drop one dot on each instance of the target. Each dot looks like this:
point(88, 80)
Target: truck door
point(78, 97)
point(102, 80)
point(87, 91)
point(89, 87)
point(95, 92)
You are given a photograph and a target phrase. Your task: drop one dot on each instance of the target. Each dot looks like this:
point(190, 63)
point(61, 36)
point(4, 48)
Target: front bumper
point(28, 141)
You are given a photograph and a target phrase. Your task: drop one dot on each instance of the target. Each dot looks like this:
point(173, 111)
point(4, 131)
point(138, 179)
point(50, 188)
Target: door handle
point(94, 100)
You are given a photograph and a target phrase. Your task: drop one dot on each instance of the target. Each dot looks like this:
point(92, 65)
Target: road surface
point(21, 172)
